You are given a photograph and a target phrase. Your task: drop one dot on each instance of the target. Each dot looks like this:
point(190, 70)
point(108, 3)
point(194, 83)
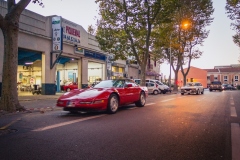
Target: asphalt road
point(169, 127)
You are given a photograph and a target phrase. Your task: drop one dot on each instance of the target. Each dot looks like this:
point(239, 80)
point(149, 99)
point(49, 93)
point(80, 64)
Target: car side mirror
point(129, 85)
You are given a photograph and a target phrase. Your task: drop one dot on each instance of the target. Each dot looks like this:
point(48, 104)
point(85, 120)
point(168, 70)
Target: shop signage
point(57, 40)
point(71, 32)
point(79, 50)
point(94, 55)
point(118, 74)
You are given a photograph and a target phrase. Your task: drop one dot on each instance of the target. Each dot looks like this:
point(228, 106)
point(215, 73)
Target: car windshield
point(159, 83)
point(216, 82)
point(190, 84)
point(110, 83)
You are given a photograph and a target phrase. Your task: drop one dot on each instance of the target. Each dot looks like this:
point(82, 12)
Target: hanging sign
point(57, 40)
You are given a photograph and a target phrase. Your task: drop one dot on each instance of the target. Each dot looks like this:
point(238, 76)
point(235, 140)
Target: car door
point(132, 91)
point(119, 85)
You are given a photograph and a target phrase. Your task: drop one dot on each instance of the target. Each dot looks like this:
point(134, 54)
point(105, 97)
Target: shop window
point(225, 78)
point(235, 78)
point(114, 69)
point(120, 70)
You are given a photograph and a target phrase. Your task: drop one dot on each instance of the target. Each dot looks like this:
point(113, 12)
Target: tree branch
point(10, 4)
point(19, 7)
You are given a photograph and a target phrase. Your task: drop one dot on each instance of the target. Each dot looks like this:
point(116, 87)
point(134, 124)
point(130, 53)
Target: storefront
point(54, 51)
point(29, 71)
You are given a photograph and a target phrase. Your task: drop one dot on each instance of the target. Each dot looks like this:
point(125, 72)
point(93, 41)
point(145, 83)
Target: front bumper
point(189, 91)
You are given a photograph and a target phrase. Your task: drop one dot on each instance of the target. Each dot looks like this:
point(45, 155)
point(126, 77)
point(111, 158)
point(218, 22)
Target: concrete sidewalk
point(38, 97)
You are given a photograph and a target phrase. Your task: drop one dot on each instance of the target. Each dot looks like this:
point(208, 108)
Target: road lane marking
point(235, 132)
point(232, 102)
point(149, 104)
point(168, 100)
point(233, 112)
point(11, 123)
point(66, 123)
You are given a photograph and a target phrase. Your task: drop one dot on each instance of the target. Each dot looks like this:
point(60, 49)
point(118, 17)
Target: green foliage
point(125, 27)
point(179, 38)
point(233, 11)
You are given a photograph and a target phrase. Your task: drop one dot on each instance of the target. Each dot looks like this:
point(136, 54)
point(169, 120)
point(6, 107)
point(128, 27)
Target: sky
point(218, 49)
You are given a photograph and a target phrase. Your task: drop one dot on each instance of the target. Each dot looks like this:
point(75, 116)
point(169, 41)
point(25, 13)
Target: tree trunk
point(184, 80)
point(175, 88)
point(143, 75)
point(9, 99)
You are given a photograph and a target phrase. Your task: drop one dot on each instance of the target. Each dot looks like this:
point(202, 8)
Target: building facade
point(53, 51)
point(194, 75)
point(226, 75)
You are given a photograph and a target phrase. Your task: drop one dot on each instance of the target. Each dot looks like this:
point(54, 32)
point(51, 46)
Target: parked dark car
point(215, 85)
point(228, 87)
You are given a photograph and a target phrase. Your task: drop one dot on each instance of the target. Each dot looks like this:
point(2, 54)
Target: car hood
point(83, 94)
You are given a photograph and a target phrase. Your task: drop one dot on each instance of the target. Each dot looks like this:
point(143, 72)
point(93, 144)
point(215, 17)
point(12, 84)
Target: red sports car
point(107, 95)
point(69, 86)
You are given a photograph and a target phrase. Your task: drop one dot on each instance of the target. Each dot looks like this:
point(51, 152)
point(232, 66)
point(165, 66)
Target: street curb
point(37, 99)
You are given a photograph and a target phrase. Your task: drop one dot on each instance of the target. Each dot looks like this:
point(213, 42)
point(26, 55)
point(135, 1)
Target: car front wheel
point(155, 92)
point(142, 100)
point(112, 104)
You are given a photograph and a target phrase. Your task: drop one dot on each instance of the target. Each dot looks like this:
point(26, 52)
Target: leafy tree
point(186, 30)
point(91, 29)
point(9, 25)
point(233, 11)
point(125, 27)
point(199, 13)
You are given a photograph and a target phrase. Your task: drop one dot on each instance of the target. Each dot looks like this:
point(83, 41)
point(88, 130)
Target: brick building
point(194, 75)
point(225, 74)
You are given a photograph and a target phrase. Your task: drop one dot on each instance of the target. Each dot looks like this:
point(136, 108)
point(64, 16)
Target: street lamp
point(185, 25)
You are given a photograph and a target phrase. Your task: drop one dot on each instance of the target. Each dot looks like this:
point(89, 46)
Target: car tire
point(210, 90)
point(202, 91)
point(68, 89)
point(142, 100)
point(113, 104)
point(155, 92)
point(164, 92)
point(182, 93)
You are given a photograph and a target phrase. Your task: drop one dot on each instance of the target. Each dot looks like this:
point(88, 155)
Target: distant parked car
point(152, 88)
point(228, 87)
point(192, 88)
point(215, 85)
point(69, 87)
point(161, 87)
